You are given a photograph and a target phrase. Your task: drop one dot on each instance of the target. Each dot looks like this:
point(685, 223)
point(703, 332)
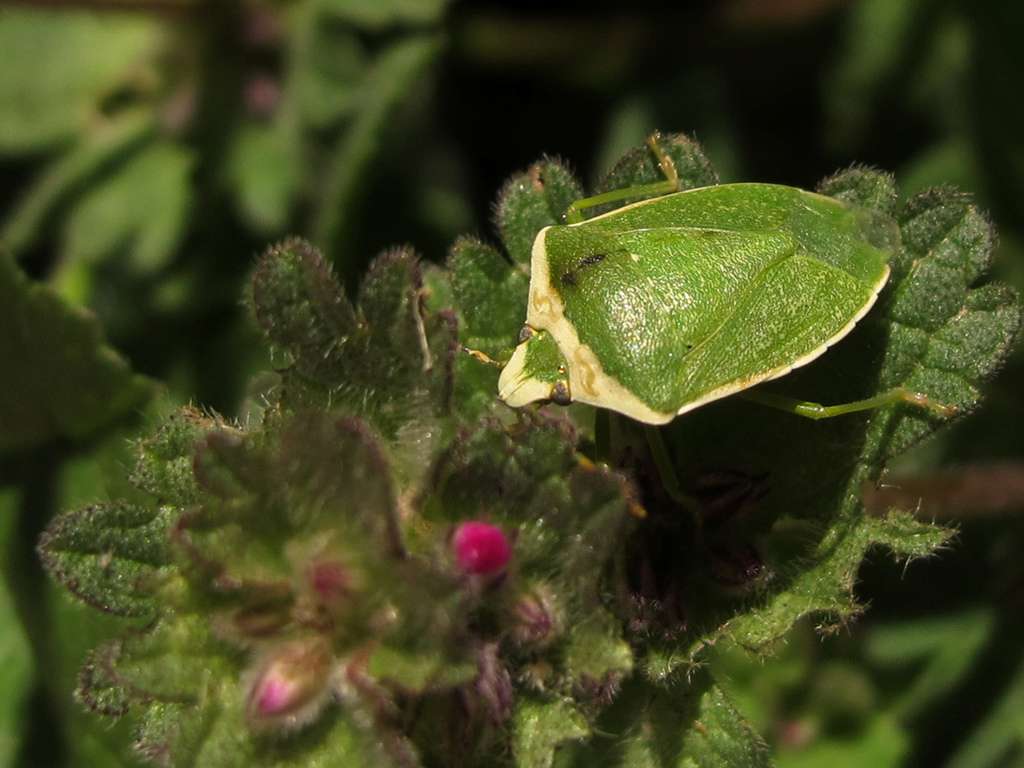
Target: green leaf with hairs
point(690, 727)
point(541, 726)
point(387, 359)
point(640, 166)
point(109, 555)
point(533, 200)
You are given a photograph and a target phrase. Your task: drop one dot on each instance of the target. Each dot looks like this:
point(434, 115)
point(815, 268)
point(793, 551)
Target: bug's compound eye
point(526, 334)
point(560, 394)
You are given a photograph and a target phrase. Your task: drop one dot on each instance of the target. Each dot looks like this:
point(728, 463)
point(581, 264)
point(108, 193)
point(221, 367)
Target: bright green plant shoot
point(661, 306)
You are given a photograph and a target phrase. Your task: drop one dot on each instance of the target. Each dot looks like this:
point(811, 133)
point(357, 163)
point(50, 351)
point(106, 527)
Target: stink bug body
point(661, 306)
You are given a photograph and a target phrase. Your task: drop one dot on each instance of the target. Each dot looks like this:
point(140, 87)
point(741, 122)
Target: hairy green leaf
point(541, 726)
point(387, 360)
point(164, 460)
point(868, 188)
point(106, 554)
point(491, 296)
point(652, 728)
point(533, 200)
point(302, 308)
point(640, 166)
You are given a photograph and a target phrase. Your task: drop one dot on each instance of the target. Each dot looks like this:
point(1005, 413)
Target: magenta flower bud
point(275, 694)
point(481, 548)
point(288, 685)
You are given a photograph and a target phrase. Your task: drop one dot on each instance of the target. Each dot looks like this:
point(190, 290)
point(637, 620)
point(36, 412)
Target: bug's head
point(537, 371)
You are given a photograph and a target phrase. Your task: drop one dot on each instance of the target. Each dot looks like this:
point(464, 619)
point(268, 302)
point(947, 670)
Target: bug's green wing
point(667, 304)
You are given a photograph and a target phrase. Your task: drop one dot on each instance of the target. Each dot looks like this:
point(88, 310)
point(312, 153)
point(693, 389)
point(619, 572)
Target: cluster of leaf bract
point(291, 585)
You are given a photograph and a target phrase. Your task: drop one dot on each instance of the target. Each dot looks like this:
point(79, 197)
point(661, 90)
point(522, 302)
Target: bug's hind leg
point(667, 472)
point(817, 411)
point(574, 213)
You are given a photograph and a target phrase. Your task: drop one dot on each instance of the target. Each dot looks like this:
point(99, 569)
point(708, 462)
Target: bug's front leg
point(574, 213)
point(483, 357)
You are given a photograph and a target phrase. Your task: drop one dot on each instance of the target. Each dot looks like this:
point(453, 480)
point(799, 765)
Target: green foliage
point(646, 721)
point(1001, 733)
point(105, 555)
point(946, 647)
point(141, 209)
point(541, 726)
point(154, 146)
point(531, 201)
point(16, 670)
point(640, 166)
point(300, 576)
point(77, 60)
point(370, 13)
point(62, 381)
point(383, 358)
point(65, 176)
point(387, 82)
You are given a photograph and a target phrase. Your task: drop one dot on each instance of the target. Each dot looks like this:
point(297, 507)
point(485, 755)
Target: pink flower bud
point(275, 694)
point(288, 686)
point(481, 548)
point(331, 581)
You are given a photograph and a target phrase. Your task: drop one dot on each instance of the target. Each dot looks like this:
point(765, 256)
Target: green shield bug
point(666, 304)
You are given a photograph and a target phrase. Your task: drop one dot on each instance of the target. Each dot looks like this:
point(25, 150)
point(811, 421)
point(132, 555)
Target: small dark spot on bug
point(571, 277)
point(526, 333)
point(560, 393)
